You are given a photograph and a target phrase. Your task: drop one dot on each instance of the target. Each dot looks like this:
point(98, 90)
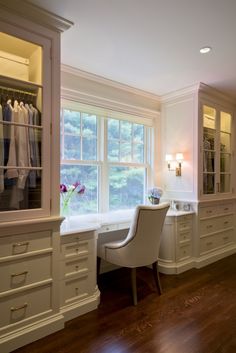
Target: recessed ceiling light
point(205, 50)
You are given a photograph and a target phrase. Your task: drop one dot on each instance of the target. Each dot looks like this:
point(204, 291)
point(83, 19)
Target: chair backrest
point(143, 240)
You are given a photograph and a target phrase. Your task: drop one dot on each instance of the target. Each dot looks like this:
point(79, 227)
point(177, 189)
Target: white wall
point(179, 133)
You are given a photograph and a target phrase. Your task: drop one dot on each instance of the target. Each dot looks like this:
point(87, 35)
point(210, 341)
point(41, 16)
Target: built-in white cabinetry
point(216, 227)
point(199, 121)
point(78, 283)
point(29, 176)
point(216, 149)
point(176, 250)
point(29, 302)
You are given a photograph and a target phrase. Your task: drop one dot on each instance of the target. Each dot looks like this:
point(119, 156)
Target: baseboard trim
point(170, 268)
point(72, 310)
point(27, 334)
point(215, 256)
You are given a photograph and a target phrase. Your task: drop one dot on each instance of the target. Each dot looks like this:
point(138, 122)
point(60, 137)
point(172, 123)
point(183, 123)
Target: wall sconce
point(179, 159)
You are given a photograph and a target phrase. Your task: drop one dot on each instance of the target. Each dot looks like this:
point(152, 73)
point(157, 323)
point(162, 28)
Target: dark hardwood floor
point(195, 314)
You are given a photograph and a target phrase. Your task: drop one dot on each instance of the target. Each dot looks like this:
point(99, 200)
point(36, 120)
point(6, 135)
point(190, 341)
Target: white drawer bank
point(79, 293)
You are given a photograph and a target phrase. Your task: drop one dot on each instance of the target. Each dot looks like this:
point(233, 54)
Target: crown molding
point(101, 102)
point(215, 93)
point(181, 93)
point(36, 14)
point(105, 81)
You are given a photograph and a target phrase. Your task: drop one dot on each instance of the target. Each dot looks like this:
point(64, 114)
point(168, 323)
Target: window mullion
point(104, 177)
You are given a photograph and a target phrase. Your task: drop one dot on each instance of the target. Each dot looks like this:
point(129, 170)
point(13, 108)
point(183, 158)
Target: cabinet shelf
point(20, 85)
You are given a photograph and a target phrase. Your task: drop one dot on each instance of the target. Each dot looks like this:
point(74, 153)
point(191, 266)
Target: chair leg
point(98, 266)
point(134, 285)
point(156, 276)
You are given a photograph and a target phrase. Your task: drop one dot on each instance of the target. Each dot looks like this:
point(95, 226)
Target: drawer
point(108, 228)
point(184, 225)
point(21, 306)
point(225, 222)
point(208, 226)
point(184, 251)
point(208, 211)
point(77, 266)
point(77, 237)
point(226, 237)
point(184, 235)
point(20, 273)
point(78, 248)
point(226, 208)
point(208, 244)
point(24, 243)
point(78, 288)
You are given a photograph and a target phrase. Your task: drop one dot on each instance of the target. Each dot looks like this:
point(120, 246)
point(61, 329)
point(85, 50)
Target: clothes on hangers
point(20, 146)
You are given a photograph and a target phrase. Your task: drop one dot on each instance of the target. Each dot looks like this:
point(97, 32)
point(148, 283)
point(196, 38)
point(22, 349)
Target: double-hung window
point(110, 156)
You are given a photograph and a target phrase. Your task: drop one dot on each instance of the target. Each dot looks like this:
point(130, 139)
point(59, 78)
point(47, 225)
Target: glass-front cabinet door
point(217, 151)
point(22, 171)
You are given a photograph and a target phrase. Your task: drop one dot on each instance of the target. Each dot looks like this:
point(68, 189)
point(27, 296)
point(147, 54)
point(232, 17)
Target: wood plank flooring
point(195, 314)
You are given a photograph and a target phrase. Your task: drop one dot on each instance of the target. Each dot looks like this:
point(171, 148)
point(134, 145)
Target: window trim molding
point(107, 107)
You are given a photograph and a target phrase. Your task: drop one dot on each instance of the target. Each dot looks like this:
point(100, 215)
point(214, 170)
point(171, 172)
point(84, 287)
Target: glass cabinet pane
point(20, 124)
point(225, 163)
point(208, 183)
point(224, 183)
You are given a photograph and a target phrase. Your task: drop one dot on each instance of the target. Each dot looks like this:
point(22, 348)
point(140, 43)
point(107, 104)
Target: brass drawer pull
point(209, 211)
point(209, 226)
point(209, 243)
point(21, 244)
point(226, 208)
point(19, 274)
point(225, 238)
point(19, 307)
point(226, 222)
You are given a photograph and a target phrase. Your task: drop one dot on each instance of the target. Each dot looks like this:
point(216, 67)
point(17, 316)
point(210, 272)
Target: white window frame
point(102, 161)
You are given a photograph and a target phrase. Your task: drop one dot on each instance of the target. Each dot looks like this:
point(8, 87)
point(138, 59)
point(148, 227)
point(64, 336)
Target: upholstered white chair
point(141, 246)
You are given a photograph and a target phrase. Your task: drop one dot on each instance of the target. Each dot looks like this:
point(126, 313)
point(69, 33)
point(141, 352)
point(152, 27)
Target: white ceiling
point(152, 45)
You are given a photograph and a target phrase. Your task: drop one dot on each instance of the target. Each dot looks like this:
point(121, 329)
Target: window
point(109, 156)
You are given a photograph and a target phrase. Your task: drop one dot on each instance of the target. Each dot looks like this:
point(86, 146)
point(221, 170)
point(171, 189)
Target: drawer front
point(184, 252)
point(24, 243)
point(225, 222)
point(77, 237)
point(208, 211)
point(184, 225)
point(78, 288)
point(184, 235)
point(17, 274)
point(108, 228)
point(208, 226)
point(226, 208)
point(19, 307)
point(226, 238)
point(77, 266)
point(78, 248)
point(208, 244)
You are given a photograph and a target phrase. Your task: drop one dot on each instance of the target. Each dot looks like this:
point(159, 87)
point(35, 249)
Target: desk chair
point(141, 246)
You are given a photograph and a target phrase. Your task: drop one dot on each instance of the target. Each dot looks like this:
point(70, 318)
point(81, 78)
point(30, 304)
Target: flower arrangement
point(154, 195)
point(67, 192)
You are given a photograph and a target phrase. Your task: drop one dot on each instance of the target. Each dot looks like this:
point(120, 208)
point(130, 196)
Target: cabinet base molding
point(30, 333)
point(72, 310)
point(209, 258)
point(174, 268)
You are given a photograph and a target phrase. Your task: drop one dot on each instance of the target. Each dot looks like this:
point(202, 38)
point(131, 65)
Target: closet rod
point(18, 91)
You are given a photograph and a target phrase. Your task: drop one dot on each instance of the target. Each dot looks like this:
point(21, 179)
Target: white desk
point(106, 222)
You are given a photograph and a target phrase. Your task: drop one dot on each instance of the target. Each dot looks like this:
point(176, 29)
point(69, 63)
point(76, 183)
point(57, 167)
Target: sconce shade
point(169, 157)
point(179, 157)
